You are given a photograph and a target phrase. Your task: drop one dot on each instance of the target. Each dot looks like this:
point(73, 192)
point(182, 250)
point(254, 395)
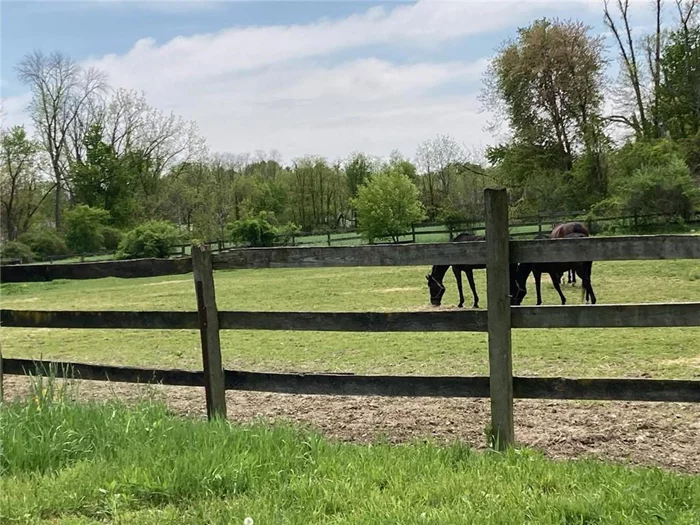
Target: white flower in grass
point(248, 521)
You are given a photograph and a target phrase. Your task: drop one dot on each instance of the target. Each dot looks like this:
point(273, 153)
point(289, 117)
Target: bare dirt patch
point(161, 283)
point(656, 434)
point(693, 362)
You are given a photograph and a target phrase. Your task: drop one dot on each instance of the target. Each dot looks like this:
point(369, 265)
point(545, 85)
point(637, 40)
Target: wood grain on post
point(214, 384)
point(498, 290)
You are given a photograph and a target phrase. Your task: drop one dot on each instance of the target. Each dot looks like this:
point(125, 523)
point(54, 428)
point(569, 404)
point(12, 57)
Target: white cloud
point(280, 87)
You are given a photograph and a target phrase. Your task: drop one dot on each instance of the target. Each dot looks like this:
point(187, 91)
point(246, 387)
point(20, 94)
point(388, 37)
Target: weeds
point(65, 461)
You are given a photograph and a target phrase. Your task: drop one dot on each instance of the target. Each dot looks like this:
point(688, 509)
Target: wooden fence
point(498, 320)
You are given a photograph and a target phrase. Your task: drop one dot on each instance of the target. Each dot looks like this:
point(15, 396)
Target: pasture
point(65, 462)
point(630, 352)
point(646, 433)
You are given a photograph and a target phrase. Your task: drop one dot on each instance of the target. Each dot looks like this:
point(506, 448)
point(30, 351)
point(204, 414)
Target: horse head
point(437, 290)
point(518, 283)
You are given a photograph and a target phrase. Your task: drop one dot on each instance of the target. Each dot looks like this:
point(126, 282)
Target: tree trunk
point(57, 206)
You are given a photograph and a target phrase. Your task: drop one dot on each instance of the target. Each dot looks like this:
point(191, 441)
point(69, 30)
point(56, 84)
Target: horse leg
point(458, 277)
point(470, 278)
point(557, 286)
point(538, 281)
point(585, 273)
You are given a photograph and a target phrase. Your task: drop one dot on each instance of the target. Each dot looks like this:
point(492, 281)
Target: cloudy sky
point(324, 77)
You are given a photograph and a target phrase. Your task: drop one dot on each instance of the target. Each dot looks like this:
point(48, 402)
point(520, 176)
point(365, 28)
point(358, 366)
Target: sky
point(323, 77)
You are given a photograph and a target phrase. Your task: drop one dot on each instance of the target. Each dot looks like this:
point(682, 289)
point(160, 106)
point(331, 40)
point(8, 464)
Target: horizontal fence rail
point(474, 252)
point(575, 316)
point(95, 270)
point(657, 390)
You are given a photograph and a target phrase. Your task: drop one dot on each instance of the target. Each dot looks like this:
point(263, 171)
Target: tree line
point(102, 159)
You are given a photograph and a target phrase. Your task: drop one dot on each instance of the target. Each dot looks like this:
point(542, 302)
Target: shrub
point(16, 250)
point(287, 231)
point(662, 189)
point(452, 219)
point(84, 228)
point(150, 239)
point(255, 231)
point(112, 237)
point(45, 243)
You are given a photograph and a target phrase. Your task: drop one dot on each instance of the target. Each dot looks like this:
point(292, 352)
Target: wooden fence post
point(413, 233)
point(214, 384)
point(328, 234)
point(498, 299)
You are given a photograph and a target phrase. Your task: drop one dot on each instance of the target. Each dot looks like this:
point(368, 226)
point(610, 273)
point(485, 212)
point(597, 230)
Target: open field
point(64, 462)
point(649, 352)
point(643, 433)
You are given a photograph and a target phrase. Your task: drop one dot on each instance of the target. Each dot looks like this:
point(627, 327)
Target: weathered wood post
point(328, 235)
point(413, 233)
point(498, 299)
point(214, 384)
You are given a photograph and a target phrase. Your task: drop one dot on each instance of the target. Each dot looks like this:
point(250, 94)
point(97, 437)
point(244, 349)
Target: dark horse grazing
point(555, 269)
point(437, 273)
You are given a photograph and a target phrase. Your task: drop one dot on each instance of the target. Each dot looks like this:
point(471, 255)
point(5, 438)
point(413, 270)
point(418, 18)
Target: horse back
point(468, 236)
point(568, 228)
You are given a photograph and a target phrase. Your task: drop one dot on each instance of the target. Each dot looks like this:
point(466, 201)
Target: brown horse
point(564, 229)
point(555, 270)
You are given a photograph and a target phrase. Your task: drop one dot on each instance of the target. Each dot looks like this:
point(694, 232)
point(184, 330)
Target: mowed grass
point(650, 352)
point(69, 463)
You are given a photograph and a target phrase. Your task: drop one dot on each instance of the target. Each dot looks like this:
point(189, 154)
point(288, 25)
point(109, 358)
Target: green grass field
point(69, 463)
point(650, 352)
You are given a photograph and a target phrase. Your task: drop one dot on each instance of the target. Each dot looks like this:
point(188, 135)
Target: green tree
point(103, 180)
point(679, 91)
point(357, 171)
point(22, 190)
point(547, 84)
point(387, 205)
point(83, 228)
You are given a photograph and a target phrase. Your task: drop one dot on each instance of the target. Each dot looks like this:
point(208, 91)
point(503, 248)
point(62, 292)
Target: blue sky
point(322, 77)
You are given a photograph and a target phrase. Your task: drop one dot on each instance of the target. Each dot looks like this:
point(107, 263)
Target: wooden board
point(25, 273)
point(623, 389)
point(575, 316)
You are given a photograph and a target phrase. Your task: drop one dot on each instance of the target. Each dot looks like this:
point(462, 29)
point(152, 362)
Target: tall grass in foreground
point(69, 462)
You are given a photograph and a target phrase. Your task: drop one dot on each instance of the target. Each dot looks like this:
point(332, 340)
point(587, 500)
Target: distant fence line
point(543, 223)
point(498, 320)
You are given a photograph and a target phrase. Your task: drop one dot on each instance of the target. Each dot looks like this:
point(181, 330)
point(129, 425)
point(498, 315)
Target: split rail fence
point(498, 320)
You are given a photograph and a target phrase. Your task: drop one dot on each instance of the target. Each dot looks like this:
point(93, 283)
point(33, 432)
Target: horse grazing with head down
point(437, 273)
point(554, 269)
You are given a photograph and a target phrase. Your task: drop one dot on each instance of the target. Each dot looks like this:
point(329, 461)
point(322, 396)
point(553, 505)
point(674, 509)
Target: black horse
point(518, 286)
point(437, 273)
point(571, 274)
